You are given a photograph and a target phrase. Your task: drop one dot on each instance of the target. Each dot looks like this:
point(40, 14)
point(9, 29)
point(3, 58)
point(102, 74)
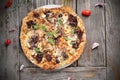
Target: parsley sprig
point(37, 50)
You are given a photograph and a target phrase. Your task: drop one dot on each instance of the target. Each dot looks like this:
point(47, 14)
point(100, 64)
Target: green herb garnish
point(73, 42)
point(73, 30)
point(59, 21)
point(67, 38)
point(49, 34)
point(51, 41)
point(37, 50)
point(36, 26)
point(52, 34)
point(44, 28)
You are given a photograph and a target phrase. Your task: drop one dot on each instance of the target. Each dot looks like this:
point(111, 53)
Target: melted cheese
point(58, 52)
point(43, 15)
point(65, 18)
point(67, 29)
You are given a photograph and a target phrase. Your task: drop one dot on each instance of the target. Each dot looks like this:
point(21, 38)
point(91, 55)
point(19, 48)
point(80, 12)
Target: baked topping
point(35, 14)
point(57, 60)
point(60, 15)
point(39, 57)
point(30, 23)
point(65, 56)
point(79, 33)
point(49, 14)
point(75, 45)
point(72, 20)
point(36, 26)
point(34, 39)
point(48, 57)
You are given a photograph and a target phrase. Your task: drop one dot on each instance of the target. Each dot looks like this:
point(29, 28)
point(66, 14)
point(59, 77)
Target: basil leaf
point(54, 33)
point(37, 50)
point(73, 30)
point(36, 26)
point(67, 38)
point(44, 28)
point(59, 21)
point(73, 42)
point(49, 34)
point(51, 41)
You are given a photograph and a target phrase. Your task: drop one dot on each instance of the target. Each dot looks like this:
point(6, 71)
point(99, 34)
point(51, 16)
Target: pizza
point(52, 38)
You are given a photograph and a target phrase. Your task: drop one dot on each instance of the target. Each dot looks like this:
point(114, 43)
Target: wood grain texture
point(103, 26)
point(95, 31)
point(9, 62)
point(76, 73)
point(113, 37)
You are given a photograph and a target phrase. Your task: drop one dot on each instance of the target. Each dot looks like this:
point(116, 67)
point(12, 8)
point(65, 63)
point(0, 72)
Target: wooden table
point(103, 26)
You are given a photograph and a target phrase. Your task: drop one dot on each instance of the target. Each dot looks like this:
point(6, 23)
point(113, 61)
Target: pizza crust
point(51, 65)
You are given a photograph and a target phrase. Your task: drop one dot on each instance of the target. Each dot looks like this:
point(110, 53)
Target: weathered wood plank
point(110, 74)
point(95, 30)
point(41, 3)
point(9, 60)
point(113, 38)
point(76, 73)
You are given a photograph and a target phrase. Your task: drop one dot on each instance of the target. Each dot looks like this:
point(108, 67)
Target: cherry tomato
point(8, 42)
point(86, 13)
point(8, 3)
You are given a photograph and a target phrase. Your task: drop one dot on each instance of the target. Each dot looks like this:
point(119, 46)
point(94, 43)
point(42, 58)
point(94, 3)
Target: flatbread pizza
point(52, 38)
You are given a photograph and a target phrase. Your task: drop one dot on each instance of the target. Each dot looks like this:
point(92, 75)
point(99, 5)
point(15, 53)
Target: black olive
point(60, 15)
point(39, 57)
